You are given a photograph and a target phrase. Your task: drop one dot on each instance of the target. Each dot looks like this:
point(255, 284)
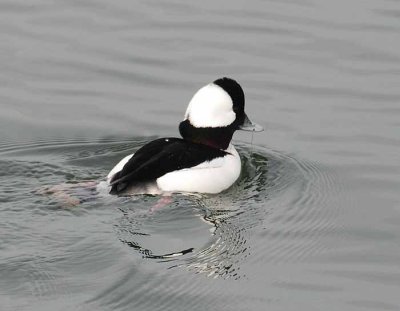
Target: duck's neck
point(216, 137)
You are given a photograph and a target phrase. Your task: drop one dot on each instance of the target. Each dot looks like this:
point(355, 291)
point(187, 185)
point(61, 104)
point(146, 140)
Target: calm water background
point(314, 222)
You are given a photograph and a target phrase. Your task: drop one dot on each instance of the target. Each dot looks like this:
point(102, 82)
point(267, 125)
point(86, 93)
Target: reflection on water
point(213, 235)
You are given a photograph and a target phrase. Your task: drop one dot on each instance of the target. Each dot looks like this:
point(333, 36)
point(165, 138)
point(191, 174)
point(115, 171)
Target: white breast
point(209, 177)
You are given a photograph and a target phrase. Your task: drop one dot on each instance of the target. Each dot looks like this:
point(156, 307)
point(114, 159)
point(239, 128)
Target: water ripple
point(275, 212)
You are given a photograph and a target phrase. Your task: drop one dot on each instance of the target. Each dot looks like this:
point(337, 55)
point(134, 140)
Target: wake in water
point(277, 198)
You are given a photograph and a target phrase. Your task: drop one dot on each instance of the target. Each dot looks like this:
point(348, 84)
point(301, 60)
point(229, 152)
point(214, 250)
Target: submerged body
point(203, 160)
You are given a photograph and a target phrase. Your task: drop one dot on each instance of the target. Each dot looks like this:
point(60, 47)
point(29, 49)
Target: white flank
point(211, 106)
point(118, 167)
point(209, 177)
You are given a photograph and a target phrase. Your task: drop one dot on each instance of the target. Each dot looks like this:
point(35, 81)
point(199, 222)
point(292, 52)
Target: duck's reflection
point(222, 242)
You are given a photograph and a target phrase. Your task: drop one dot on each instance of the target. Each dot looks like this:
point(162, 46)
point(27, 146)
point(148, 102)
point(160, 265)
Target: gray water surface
point(312, 224)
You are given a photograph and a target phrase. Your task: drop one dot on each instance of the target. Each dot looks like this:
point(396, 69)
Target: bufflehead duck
point(203, 160)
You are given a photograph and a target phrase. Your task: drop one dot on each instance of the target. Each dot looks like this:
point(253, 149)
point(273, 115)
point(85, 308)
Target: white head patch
point(211, 106)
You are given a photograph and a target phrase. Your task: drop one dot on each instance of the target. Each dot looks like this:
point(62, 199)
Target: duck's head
point(214, 113)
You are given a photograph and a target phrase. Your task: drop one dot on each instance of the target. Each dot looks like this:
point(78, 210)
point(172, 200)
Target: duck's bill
point(250, 126)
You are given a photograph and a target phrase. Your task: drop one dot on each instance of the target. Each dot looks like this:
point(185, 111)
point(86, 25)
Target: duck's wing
point(160, 157)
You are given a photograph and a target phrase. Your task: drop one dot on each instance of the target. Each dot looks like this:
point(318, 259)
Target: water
point(312, 224)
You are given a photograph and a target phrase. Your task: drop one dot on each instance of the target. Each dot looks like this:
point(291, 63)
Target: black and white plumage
point(203, 160)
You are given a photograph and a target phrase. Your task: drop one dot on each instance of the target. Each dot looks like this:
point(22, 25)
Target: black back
point(160, 157)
